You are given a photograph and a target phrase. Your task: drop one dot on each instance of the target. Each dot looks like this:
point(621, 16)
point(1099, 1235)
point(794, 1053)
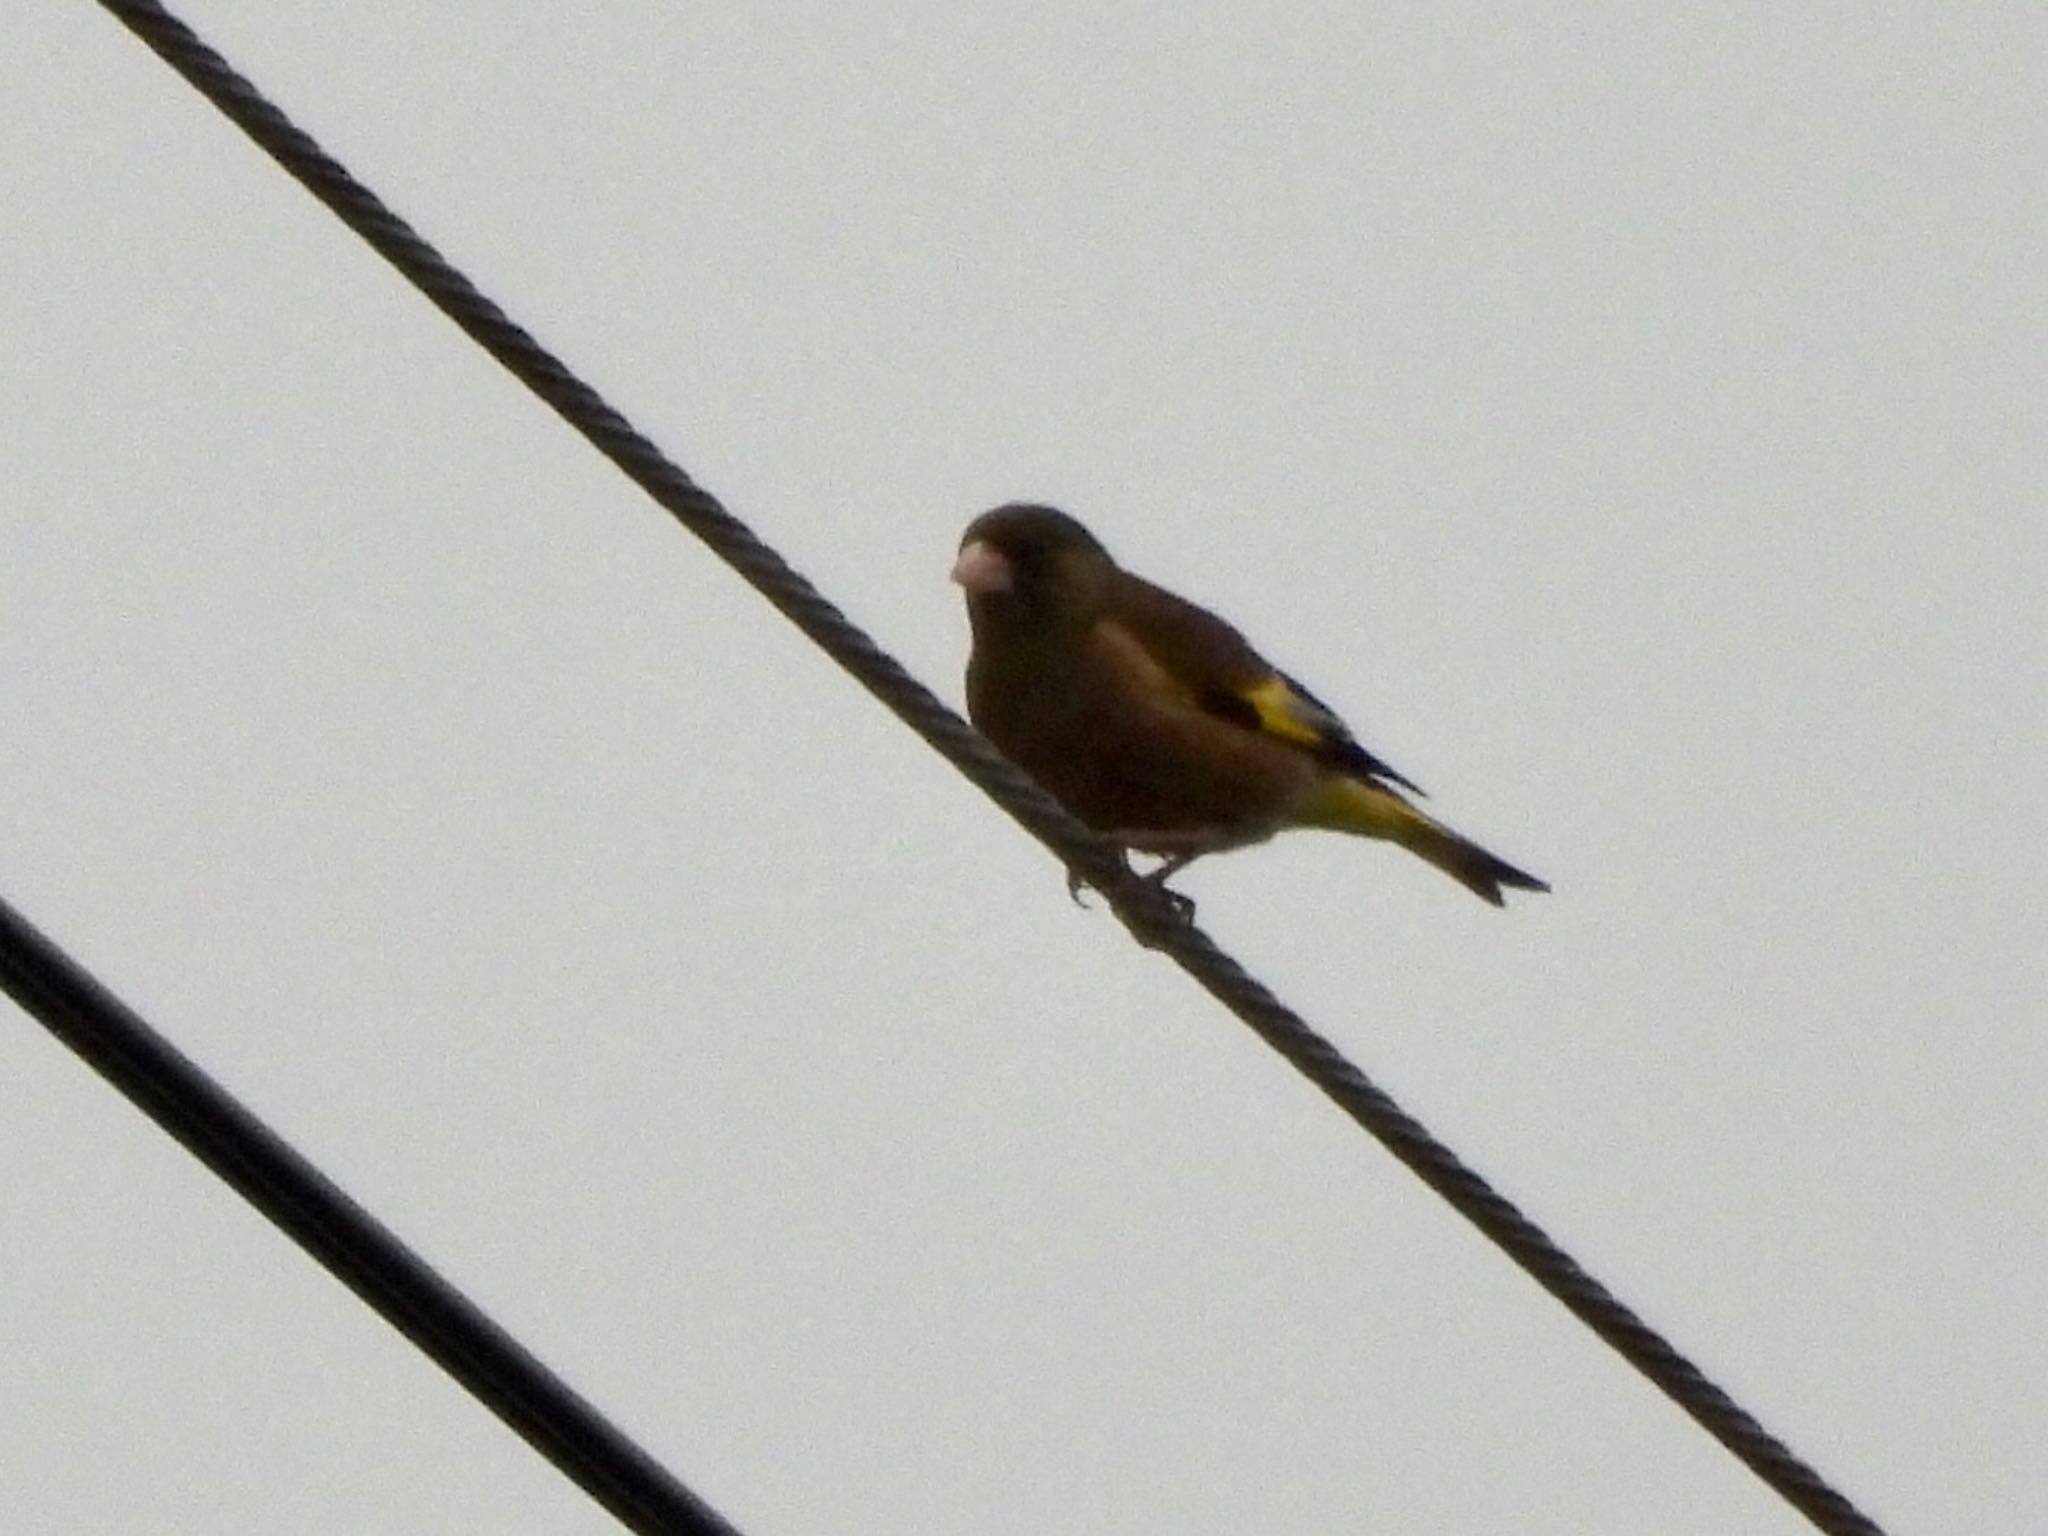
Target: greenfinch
point(1155, 722)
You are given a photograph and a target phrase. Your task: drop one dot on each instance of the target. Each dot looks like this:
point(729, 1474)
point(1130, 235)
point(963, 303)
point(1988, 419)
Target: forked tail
point(1372, 810)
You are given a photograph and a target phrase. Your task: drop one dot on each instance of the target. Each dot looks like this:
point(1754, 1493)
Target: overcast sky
point(1634, 424)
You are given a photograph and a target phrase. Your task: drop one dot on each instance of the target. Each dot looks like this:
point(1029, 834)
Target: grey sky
point(1634, 425)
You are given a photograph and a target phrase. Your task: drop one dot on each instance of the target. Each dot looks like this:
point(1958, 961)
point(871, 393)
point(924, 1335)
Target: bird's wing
point(1220, 674)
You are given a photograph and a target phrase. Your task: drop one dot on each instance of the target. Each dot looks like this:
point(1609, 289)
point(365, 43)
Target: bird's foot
point(1183, 906)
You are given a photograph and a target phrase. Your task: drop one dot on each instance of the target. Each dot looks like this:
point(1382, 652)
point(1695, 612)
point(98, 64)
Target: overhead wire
point(353, 1245)
point(1153, 917)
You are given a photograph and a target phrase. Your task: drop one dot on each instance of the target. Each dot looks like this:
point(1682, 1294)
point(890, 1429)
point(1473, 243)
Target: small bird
point(1155, 722)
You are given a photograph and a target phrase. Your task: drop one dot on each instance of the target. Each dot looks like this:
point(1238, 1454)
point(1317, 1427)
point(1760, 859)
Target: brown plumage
point(1155, 722)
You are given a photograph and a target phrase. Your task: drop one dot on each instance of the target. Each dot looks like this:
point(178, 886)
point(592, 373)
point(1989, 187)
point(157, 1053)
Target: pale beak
point(983, 568)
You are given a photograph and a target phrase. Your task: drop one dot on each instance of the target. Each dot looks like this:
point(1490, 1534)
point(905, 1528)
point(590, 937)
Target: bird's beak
point(982, 568)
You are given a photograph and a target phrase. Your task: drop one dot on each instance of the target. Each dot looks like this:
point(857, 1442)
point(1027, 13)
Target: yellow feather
point(1278, 707)
point(1341, 804)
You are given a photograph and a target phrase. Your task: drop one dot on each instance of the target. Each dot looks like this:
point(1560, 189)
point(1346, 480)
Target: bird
point(1155, 722)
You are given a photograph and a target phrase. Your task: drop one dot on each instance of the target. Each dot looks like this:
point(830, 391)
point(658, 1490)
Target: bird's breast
point(1116, 739)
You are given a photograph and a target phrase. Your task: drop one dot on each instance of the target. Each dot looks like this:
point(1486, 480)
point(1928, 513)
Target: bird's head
point(1032, 569)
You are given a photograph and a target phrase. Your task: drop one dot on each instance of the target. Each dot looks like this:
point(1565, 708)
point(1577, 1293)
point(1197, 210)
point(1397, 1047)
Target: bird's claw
point(1183, 907)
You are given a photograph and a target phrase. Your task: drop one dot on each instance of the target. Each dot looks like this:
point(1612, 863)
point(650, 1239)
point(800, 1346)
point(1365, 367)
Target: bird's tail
point(1345, 804)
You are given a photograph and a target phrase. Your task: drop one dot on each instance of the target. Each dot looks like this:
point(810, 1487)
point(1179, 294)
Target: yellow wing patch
point(1281, 708)
point(1283, 712)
